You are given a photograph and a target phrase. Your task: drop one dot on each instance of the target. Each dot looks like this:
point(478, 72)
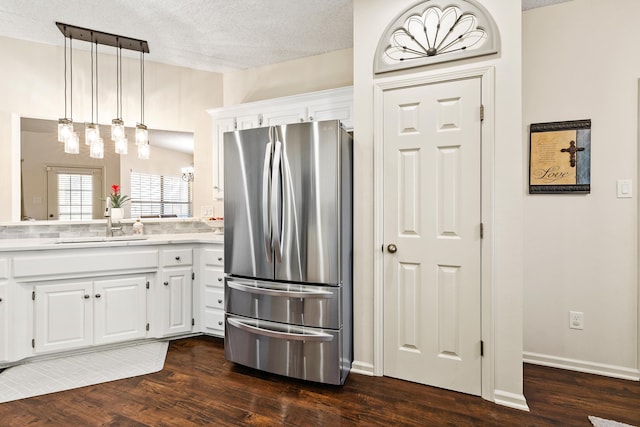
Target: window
point(73, 193)
point(75, 197)
point(161, 196)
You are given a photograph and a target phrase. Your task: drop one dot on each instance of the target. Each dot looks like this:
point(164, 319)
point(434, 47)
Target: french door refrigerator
point(288, 250)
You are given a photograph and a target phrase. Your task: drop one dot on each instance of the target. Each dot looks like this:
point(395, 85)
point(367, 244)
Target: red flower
point(115, 188)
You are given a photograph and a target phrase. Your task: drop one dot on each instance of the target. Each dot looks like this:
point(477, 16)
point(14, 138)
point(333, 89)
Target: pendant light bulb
point(72, 144)
point(122, 146)
point(144, 151)
point(117, 129)
point(91, 133)
point(65, 129)
point(96, 149)
point(142, 134)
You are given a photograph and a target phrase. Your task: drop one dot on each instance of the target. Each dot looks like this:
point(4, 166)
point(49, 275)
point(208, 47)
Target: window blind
point(160, 195)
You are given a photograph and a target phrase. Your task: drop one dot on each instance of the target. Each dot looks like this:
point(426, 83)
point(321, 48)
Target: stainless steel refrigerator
point(288, 250)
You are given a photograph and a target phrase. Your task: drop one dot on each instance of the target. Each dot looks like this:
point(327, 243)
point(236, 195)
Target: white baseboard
point(511, 400)
point(581, 366)
point(362, 368)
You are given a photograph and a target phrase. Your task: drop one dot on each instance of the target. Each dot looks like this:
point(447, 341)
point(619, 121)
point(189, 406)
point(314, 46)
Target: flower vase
point(117, 214)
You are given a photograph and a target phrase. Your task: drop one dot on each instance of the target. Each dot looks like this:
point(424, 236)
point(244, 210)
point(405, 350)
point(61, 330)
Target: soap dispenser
point(138, 227)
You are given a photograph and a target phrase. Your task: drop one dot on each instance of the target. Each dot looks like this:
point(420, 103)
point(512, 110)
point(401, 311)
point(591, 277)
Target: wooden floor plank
point(199, 387)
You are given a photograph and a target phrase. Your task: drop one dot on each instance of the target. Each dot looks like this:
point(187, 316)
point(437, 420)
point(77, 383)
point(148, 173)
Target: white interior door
point(432, 182)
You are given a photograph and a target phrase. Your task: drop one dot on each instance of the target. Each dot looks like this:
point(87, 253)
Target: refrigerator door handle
point(276, 232)
point(279, 293)
point(302, 335)
point(266, 187)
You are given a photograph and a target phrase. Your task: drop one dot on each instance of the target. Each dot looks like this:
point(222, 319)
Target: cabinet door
point(120, 309)
point(177, 309)
point(220, 126)
point(4, 322)
point(336, 110)
point(63, 316)
point(284, 117)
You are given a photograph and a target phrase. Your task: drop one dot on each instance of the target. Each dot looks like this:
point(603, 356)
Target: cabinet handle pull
point(0, 299)
point(219, 301)
point(220, 258)
point(87, 296)
point(166, 283)
point(177, 258)
point(97, 295)
point(219, 322)
point(219, 279)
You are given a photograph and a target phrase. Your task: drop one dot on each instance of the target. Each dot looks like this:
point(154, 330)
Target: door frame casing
point(487, 136)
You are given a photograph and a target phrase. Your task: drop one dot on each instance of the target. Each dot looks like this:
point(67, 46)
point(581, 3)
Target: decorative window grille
point(75, 196)
point(435, 31)
point(160, 196)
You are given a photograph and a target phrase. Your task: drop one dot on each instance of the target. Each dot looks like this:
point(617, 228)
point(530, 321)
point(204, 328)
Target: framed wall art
point(560, 157)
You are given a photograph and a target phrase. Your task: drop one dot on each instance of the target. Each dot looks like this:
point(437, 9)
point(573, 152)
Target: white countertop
point(7, 245)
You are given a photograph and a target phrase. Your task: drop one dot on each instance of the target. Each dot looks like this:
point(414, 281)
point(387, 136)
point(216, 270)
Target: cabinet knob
point(220, 258)
point(219, 322)
point(98, 295)
point(87, 296)
point(177, 258)
point(0, 299)
point(166, 283)
point(219, 279)
point(219, 301)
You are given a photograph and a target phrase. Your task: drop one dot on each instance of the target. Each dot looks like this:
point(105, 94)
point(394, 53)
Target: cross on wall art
point(560, 157)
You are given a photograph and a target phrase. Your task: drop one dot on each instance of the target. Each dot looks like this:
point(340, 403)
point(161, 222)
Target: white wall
point(310, 74)
point(581, 251)
point(370, 19)
point(176, 98)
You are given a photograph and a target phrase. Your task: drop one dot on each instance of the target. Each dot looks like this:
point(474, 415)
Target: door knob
point(392, 248)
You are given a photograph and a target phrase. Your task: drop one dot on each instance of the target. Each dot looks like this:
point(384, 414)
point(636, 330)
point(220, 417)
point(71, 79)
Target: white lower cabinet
point(4, 322)
point(177, 297)
point(81, 313)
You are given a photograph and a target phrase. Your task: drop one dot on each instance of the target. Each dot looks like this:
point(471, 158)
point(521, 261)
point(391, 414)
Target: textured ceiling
point(212, 35)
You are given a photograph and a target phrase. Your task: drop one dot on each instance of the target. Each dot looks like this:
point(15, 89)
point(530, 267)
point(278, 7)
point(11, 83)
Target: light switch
point(625, 188)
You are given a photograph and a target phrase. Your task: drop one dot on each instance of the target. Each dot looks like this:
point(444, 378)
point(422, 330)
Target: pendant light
point(117, 125)
point(91, 130)
point(142, 134)
point(65, 125)
point(92, 127)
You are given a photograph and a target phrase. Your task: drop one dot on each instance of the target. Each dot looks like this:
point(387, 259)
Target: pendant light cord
point(70, 77)
point(92, 83)
point(65, 77)
point(97, 117)
point(141, 85)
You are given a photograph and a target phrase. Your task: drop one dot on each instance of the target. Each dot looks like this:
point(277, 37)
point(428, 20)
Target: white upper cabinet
point(333, 104)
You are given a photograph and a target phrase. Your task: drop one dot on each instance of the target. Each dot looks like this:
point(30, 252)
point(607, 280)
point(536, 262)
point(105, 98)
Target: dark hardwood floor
point(199, 387)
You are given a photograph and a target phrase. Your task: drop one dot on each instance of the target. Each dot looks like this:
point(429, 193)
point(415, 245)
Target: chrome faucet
point(107, 214)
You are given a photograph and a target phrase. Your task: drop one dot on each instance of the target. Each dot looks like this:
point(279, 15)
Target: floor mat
point(64, 373)
point(601, 422)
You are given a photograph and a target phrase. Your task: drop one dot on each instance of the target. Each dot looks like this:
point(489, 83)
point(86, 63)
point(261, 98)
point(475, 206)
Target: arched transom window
point(436, 31)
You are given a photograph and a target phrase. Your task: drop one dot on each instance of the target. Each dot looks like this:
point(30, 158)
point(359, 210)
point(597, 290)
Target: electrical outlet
point(576, 320)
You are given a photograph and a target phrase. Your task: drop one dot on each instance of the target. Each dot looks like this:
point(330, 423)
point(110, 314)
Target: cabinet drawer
point(214, 298)
point(174, 257)
point(213, 276)
point(214, 319)
point(82, 262)
point(214, 257)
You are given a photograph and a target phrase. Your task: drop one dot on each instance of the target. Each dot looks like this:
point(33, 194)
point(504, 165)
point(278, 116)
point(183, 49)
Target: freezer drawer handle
point(310, 336)
point(278, 293)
